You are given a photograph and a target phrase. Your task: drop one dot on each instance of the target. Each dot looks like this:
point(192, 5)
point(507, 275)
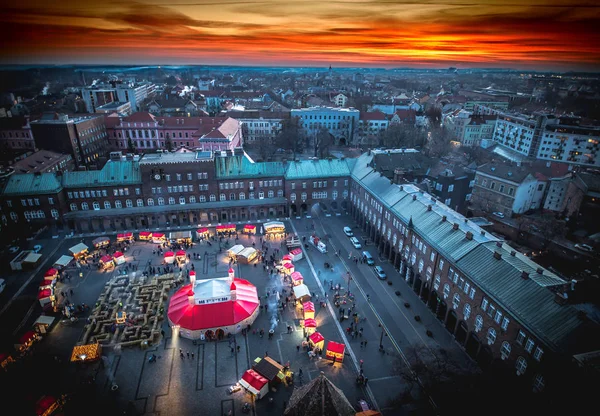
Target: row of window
point(317, 184)
point(30, 215)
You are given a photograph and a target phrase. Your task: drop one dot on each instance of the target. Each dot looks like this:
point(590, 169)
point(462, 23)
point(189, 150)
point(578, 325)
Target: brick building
point(15, 133)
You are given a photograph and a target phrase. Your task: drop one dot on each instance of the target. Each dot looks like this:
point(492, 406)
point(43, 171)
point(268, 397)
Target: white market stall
point(296, 254)
point(169, 257)
point(302, 293)
point(274, 229)
point(255, 383)
point(79, 250)
point(158, 238)
point(119, 258)
point(63, 262)
point(247, 255)
point(235, 250)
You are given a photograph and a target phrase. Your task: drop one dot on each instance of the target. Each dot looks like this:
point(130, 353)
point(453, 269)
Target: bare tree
point(323, 140)
point(290, 137)
point(438, 142)
point(402, 136)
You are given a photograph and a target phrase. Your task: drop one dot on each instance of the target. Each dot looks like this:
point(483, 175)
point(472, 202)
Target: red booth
point(335, 351)
point(145, 235)
point(250, 229)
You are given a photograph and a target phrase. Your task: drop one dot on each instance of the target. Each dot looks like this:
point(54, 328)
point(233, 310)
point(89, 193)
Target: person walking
point(192, 355)
point(366, 381)
point(188, 354)
point(238, 349)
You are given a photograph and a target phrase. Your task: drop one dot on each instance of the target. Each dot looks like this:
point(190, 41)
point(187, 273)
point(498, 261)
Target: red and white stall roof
point(249, 227)
point(316, 337)
point(253, 381)
point(297, 277)
point(202, 231)
point(43, 294)
point(296, 251)
point(225, 227)
point(106, 259)
point(288, 266)
point(51, 273)
point(308, 307)
point(118, 254)
point(169, 254)
point(310, 323)
point(145, 234)
point(180, 253)
point(213, 303)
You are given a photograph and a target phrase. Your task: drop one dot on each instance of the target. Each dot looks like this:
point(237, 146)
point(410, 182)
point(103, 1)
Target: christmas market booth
point(296, 254)
point(226, 228)
point(269, 369)
point(235, 250)
point(301, 293)
point(48, 405)
point(43, 324)
point(6, 360)
point(247, 255)
point(180, 256)
point(106, 262)
point(335, 351)
point(297, 278)
point(249, 229)
point(119, 258)
point(169, 257)
point(274, 229)
point(202, 233)
point(180, 237)
point(145, 236)
point(309, 310)
point(48, 282)
point(26, 341)
point(63, 262)
point(288, 268)
point(255, 384)
point(101, 242)
point(79, 250)
point(124, 237)
point(316, 340)
point(286, 259)
point(159, 238)
point(86, 353)
point(309, 325)
point(47, 299)
point(51, 274)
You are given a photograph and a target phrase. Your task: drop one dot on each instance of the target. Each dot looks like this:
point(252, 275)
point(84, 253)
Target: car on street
point(379, 272)
point(348, 231)
point(355, 242)
point(498, 214)
point(584, 247)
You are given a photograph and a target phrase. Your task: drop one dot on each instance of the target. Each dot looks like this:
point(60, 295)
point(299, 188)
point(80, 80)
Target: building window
point(181, 200)
point(436, 284)
point(212, 198)
point(84, 206)
point(491, 336)
point(484, 304)
point(441, 264)
point(161, 201)
point(150, 202)
point(428, 272)
point(128, 203)
point(73, 208)
point(504, 325)
point(202, 198)
point(529, 345)
point(498, 317)
point(54, 213)
point(521, 365)
point(521, 337)
point(118, 204)
point(472, 293)
point(538, 383)
point(222, 197)
point(232, 197)
point(270, 194)
point(505, 350)
point(478, 323)
point(242, 196)
point(467, 311)
point(446, 290)
point(261, 195)
point(538, 354)
point(171, 200)
point(455, 301)
point(107, 205)
point(280, 193)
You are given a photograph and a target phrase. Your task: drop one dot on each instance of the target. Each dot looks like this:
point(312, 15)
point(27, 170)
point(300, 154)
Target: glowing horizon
point(532, 34)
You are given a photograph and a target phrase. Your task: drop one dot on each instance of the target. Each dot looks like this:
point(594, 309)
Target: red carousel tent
point(255, 383)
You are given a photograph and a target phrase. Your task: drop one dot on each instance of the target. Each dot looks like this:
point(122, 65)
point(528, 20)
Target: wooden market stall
point(309, 310)
point(106, 262)
point(255, 383)
point(86, 353)
point(310, 326)
point(269, 369)
point(6, 359)
point(316, 340)
point(47, 299)
point(47, 283)
point(159, 238)
point(26, 341)
point(79, 250)
point(101, 242)
point(51, 273)
point(335, 351)
point(296, 254)
point(286, 259)
point(249, 229)
point(145, 236)
point(43, 324)
point(235, 250)
point(124, 237)
point(119, 258)
point(274, 229)
point(202, 233)
point(297, 278)
point(247, 255)
point(301, 293)
point(226, 228)
point(288, 268)
point(181, 256)
point(63, 262)
point(180, 237)
point(169, 257)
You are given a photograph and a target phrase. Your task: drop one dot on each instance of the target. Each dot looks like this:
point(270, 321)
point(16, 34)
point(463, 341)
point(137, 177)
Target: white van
point(348, 231)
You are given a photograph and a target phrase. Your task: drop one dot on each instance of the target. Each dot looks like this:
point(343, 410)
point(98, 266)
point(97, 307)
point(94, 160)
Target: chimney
point(499, 244)
point(497, 255)
point(414, 197)
point(444, 218)
point(524, 275)
point(513, 253)
point(469, 235)
point(561, 298)
point(455, 226)
point(428, 207)
point(401, 188)
point(482, 233)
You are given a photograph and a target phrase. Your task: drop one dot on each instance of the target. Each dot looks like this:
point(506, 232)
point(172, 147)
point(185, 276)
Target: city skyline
point(534, 35)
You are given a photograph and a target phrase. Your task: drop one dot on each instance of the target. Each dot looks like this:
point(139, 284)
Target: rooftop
point(32, 184)
point(121, 172)
point(178, 157)
point(240, 166)
point(307, 169)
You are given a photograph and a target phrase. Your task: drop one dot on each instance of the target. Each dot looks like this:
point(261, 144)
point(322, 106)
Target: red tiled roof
point(372, 115)
point(406, 114)
point(140, 117)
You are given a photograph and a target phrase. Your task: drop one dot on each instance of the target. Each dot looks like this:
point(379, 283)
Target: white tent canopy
point(78, 248)
point(235, 250)
point(274, 224)
point(300, 291)
point(247, 252)
point(63, 261)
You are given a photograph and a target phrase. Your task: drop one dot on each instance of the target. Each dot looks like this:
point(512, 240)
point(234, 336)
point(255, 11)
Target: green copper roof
point(124, 172)
point(241, 167)
point(306, 169)
point(32, 184)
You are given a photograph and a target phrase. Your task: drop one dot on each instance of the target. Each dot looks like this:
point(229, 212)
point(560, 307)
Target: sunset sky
point(529, 34)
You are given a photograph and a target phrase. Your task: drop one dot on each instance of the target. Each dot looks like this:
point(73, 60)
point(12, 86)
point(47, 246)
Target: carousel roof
point(319, 398)
point(213, 313)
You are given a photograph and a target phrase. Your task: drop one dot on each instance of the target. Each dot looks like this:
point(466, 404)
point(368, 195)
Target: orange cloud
point(535, 33)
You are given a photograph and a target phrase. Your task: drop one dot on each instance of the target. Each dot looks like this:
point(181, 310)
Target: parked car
point(379, 272)
point(498, 214)
point(584, 247)
point(368, 258)
point(355, 242)
point(348, 231)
